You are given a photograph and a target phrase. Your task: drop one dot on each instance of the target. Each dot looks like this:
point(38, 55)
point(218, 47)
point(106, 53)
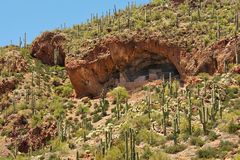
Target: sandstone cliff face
point(114, 55)
point(45, 46)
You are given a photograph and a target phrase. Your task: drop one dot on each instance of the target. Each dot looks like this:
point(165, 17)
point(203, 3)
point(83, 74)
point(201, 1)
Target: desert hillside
point(151, 82)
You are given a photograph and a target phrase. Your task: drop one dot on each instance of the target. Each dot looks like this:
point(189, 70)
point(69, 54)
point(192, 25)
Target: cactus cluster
point(130, 145)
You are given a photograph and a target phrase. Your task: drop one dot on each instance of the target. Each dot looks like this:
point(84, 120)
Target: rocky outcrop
point(48, 46)
point(37, 137)
point(114, 57)
point(98, 70)
point(211, 59)
point(33, 138)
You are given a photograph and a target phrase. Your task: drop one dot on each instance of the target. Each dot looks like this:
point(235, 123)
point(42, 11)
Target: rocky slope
point(161, 114)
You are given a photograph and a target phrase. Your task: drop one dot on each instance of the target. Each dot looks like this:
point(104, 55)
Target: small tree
point(120, 94)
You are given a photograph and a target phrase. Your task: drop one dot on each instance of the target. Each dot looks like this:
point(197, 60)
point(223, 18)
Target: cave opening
point(146, 68)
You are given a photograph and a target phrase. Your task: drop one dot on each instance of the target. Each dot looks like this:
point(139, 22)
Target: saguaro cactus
point(77, 155)
point(130, 143)
point(203, 115)
point(237, 21)
point(33, 103)
point(165, 112)
point(149, 101)
point(225, 66)
point(189, 113)
point(25, 40)
point(236, 54)
point(126, 145)
point(175, 129)
point(220, 108)
point(20, 42)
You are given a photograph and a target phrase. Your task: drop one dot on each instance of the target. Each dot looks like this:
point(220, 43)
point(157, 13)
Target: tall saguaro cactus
point(25, 40)
point(189, 113)
point(130, 143)
point(236, 53)
point(175, 129)
point(203, 115)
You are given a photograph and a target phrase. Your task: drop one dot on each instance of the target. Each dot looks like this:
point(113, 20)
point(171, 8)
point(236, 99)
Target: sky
point(37, 16)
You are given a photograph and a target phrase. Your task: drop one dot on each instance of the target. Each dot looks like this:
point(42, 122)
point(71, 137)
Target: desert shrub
point(197, 130)
point(119, 92)
point(82, 109)
point(54, 157)
point(236, 105)
point(207, 153)
point(141, 122)
point(233, 127)
point(57, 107)
point(64, 91)
point(204, 76)
point(184, 125)
point(58, 145)
point(149, 137)
point(36, 120)
point(226, 146)
point(197, 141)
point(96, 118)
point(159, 156)
point(147, 153)
point(175, 148)
point(212, 136)
point(114, 154)
point(81, 133)
point(232, 92)
point(1, 122)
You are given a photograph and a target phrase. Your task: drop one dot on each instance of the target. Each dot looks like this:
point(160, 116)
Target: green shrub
point(96, 118)
point(175, 149)
point(119, 92)
point(233, 127)
point(159, 156)
point(1, 122)
point(207, 153)
point(114, 154)
point(140, 122)
point(81, 133)
point(232, 92)
point(212, 136)
point(197, 141)
point(149, 137)
point(58, 145)
point(147, 153)
point(64, 91)
point(82, 109)
point(226, 146)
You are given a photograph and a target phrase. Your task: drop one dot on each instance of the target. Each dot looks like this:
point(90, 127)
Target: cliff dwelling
point(148, 68)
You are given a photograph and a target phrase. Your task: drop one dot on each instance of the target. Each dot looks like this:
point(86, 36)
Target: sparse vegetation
point(39, 116)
